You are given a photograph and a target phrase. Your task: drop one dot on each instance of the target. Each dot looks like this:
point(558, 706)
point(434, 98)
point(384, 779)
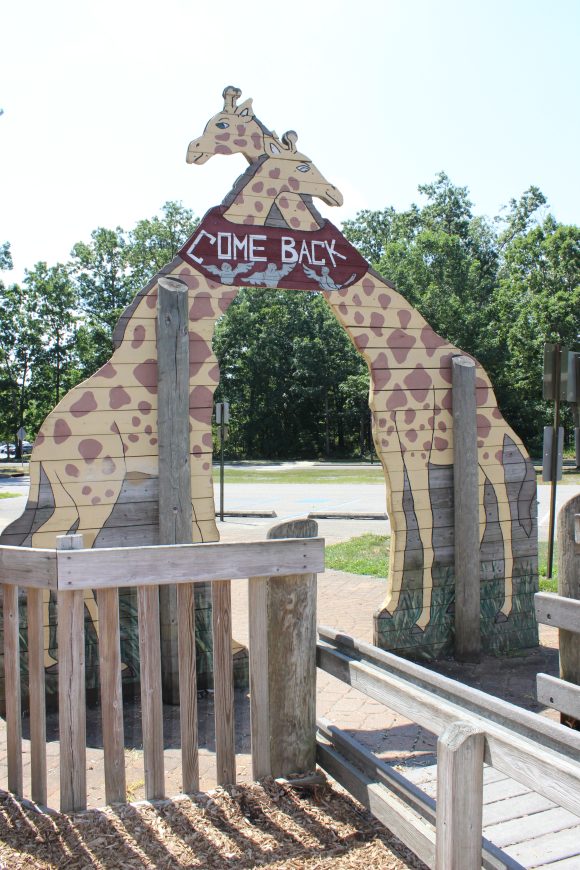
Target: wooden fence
point(70, 571)
point(472, 728)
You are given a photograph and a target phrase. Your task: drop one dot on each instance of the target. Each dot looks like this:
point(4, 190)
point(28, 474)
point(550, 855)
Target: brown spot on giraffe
point(62, 431)
point(71, 470)
point(400, 343)
point(118, 397)
point(138, 336)
point(85, 405)
point(90, 449)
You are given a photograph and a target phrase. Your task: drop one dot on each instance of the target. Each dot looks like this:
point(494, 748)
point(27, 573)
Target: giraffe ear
point(245, 110)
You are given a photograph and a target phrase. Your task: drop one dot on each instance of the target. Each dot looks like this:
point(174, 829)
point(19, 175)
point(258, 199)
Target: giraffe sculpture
point(94, 465)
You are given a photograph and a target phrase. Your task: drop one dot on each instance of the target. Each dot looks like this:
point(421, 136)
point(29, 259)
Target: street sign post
point(222, 417)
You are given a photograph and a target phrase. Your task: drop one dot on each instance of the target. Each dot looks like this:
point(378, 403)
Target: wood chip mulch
point(267, 825)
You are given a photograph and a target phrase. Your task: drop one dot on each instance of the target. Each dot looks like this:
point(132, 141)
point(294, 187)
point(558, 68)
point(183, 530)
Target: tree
point(154, 242)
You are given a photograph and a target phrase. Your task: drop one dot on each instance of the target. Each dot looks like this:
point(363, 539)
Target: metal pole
point(554, 457)
point(222, 439)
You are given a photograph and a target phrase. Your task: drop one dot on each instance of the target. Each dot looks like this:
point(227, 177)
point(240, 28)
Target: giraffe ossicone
point(94, 466)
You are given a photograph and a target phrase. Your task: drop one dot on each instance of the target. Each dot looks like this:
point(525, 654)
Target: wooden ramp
point(528, 827)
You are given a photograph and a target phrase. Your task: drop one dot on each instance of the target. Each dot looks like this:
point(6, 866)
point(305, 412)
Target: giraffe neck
point(272, 184)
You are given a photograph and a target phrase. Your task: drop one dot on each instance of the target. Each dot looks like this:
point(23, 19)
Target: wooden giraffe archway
point(94, 467)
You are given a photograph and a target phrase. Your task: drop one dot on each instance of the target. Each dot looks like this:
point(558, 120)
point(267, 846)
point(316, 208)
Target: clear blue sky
point(101, 99)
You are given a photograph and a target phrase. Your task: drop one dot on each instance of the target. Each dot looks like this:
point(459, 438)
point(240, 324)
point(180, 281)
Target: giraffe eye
point(303, 167)
point(222, 125)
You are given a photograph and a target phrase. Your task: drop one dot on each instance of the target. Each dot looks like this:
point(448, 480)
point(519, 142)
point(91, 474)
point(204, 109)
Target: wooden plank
point(459, 797)
point(13, 696)
point(175, 509)
point(569, 587)
point(521, 829)
point(559, 694)
point(151, 698)
point(143, 566)
point(187, 687)
point(223, 682)
point(403, 821)
point(259, 683)
point(111, 696)
point(553, 609)
point(27, 567)
point(71, 691)
point(466, 512)
point(291, 618)
point(36, 687)
point(535, 728)
point(525, 804)
point(549, 848)
point(550, 773)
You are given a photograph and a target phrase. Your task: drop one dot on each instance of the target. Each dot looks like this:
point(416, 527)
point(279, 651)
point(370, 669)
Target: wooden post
point(459, 797)
point(111, 695)
point(71, 691)
point(569, 586)
point(223, 674)
point(151, 697)
point(283, 666)
point(36, 683)
point(175, 508)
point(12, 683)
point(466, 502)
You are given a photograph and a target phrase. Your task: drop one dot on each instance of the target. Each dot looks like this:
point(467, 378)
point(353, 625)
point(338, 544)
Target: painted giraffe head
point(236, 130)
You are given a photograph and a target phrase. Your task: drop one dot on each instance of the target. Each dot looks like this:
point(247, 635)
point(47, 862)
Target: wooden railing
point(472, 728)
point(70, 571)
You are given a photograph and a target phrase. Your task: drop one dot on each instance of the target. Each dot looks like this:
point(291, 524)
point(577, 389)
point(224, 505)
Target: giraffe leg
point(64, 516)
point(419, 482)
point(394, 473)
point(496, 476)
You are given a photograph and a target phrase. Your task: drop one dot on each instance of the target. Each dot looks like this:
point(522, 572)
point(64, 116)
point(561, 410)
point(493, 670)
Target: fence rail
point(69, 571)
point(472, 728)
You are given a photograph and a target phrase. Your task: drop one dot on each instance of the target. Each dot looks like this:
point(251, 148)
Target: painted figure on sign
point(94, 468)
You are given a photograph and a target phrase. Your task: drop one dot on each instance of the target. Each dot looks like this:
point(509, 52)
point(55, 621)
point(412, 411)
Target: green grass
point(311, 475)
point(367, 554)
point(547, 585)
point(9, 494)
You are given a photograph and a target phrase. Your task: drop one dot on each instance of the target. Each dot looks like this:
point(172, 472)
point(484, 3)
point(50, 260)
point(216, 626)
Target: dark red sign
point(244, 255)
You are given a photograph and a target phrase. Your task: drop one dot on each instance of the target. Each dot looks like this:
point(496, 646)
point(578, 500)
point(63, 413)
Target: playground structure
point(96, 460)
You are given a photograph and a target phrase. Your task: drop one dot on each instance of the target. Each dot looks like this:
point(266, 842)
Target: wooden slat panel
point(71, 703)
point(259, 683)
point(223, 682)
point(111, 695)
point(151, 700)
point(535, 728)
point(28, 568)
point(552, 609)
point(187, 687)
point(188, 562)
point(550, 773)
point(36, 685)
point(12, 684)
point(459, 797)
point(560, 694)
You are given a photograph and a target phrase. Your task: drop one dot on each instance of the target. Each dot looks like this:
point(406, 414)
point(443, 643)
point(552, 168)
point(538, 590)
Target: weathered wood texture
point(151, 695)
point(259, 681)
point(187, 687)
point(37, 701)
point(459, 797)
point(28, 568)
point(142, 566)
point(556, 775)
point(12, 682)
point(111, 696)
point(175, 508)
point(223, 682)
point(71, 692)
point(291, 660)
point(466, 512)
point(569, 587)
point(559, 694)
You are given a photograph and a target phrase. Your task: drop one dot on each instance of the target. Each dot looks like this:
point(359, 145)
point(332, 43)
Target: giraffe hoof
point(501, 617)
